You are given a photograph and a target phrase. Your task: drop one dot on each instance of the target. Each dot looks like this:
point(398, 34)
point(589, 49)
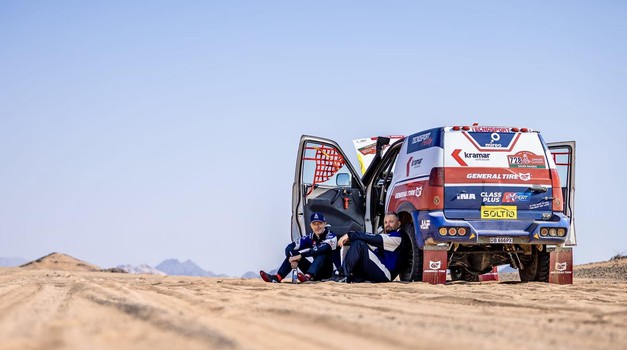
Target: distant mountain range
point(171, 267)
point(187, 268)
point(250, 274)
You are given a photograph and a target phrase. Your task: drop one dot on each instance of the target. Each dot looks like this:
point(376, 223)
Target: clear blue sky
point(131, 132)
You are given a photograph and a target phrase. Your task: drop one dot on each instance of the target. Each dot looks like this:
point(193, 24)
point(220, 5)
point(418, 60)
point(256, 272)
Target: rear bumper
point(427, 224)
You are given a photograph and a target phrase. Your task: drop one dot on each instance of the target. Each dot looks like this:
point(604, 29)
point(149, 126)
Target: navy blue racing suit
point(323, 250)
point(374, 258)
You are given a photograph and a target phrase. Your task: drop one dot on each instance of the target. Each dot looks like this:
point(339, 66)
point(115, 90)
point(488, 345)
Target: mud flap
point(561, 265)
point(434, 264)
point(490, 276)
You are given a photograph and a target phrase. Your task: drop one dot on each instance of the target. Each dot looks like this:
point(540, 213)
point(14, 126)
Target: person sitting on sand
point(321, 245)
point(371, 257)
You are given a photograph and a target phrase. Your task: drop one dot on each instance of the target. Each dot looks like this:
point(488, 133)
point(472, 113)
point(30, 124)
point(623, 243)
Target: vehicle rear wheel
point(535, 267)
point(469, 276)
point(411, 270)
point(456, 273)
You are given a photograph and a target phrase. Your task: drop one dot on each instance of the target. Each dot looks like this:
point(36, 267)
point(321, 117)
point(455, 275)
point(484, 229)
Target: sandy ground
point(43, 309)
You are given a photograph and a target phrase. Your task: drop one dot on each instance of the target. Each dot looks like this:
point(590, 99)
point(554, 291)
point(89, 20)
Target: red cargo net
point(328, 162)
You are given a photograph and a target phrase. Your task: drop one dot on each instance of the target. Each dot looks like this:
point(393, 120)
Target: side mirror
point(343, 180)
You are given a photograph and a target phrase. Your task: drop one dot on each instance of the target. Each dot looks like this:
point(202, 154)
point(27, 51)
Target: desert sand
point(56, 309)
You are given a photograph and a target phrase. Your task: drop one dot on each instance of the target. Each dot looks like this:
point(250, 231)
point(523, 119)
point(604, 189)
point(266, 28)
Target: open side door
point(564, 156)
point(325, 181)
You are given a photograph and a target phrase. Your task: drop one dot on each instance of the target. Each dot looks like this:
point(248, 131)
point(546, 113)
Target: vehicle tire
point(411, 269)
point(536, 266)
point(456, 273)
point(469, 276)
point(544, 260)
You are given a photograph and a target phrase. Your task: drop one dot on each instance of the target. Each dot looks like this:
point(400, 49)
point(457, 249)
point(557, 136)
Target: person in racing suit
point(370, 257)
point(319, 245)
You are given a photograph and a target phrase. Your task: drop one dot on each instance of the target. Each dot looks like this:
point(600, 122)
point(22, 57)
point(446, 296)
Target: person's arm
point(295, 248)
point(375, 240)
point(392, 241)
point(329, 244)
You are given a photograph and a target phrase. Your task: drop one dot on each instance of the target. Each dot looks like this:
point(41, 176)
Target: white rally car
point(488, 195)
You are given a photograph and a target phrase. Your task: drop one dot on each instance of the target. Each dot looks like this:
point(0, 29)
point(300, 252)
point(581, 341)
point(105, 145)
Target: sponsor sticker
point(434, 265)
point(489, 129)
point(539, 205)
point(515, 197)
point(492, 176)
point(491, 197)
point(425, 224)
point(561, 266)
point(424, 140)
point(412, 164)
point(492, 139)
point(476, 156)
point(414, 192)
point(418, 191)
point(526, 159)
point(466, 196)
point(502, 212)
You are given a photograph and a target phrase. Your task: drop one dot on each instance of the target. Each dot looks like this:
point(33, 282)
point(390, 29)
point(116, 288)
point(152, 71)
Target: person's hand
point(295, 259)
point(343, 240)
point(294, 264)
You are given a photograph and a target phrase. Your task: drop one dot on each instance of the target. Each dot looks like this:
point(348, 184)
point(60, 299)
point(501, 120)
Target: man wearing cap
point(370, 257)
point(319, 245)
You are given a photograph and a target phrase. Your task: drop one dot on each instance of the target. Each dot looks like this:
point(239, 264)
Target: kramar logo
point(477, 156)
point(434, 265)
point(412, 164)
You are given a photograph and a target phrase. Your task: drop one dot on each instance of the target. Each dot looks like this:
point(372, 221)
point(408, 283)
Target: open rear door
point(326, 182)
point(564, 156)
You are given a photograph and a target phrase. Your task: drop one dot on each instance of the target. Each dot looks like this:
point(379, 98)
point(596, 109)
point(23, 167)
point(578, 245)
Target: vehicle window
point(321, 164)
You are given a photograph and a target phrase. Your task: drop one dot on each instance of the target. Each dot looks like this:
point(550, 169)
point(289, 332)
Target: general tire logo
point(434, 265)
point(561, 266)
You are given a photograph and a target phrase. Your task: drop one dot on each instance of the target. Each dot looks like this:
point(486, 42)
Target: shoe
point(268, 278)
point(337, 277)
point(303, 278)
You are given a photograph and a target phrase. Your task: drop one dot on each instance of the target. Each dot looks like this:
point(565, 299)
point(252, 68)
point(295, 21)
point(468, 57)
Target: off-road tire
point(469, 276)
point(536, 266)
point(456, 273)
point(544, 259)
point(411, 258)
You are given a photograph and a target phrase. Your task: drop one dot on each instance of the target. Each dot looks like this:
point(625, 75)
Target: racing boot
point(268, 277)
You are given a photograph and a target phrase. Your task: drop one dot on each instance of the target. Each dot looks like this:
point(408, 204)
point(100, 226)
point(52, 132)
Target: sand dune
point(44, 309)
point(58, 261)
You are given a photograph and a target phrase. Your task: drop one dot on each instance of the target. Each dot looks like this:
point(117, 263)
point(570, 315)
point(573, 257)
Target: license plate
point(499, 212)
point(501, 240)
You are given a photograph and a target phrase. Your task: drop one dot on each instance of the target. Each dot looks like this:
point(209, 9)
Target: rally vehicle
point(488, 195)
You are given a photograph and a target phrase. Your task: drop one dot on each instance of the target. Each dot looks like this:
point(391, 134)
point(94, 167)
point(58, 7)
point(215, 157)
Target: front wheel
point(411, 269)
